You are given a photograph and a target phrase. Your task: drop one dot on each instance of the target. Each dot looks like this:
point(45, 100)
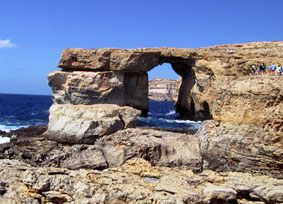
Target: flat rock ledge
point(134, 182)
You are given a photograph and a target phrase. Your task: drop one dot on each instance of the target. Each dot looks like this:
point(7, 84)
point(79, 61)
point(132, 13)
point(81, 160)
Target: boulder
point(100, 88)
point(245, 148)
point(86, 123)
point(108, 59)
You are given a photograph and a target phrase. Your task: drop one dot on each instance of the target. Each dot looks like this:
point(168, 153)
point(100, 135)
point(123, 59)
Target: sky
point(33, 32)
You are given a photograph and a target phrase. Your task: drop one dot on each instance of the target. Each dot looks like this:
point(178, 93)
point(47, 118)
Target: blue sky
point(33, 32)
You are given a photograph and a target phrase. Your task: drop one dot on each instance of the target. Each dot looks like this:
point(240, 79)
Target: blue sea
point(18, 111)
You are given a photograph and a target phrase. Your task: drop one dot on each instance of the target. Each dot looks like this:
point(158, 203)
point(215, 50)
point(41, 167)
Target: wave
point(4, 140)
point(17, 111)
point(168, 115)
point(172, 112)
point(168, 123)
point(8, 128)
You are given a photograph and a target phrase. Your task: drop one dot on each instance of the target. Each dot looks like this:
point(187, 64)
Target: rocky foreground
point(91, 151)
point(136, 181)
point(132, 166)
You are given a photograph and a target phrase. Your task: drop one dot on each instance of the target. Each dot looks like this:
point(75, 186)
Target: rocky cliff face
point(163, 89)
point(215, 84)
point(90, 88)
point(198, 68)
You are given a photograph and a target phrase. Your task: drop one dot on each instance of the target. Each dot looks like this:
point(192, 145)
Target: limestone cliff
point(215, 84)
point(198, 68)
point(163, 89)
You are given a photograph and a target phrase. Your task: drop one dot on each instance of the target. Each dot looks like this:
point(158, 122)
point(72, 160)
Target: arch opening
point(170, 104)
point(176, 85)
point(162, 90)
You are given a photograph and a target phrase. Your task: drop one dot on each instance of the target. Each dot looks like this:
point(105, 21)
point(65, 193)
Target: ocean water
point(18, 111)
point(162, 115)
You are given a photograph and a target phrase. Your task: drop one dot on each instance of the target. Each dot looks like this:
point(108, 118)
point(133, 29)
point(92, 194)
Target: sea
point(17, 111)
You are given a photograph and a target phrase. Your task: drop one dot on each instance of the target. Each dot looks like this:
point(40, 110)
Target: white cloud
point(6, 44)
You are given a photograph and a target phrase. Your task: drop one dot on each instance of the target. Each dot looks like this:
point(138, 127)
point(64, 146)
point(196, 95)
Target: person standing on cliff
point(278, 70)
point(262, 68)
point(253, 69)
point(273, 68)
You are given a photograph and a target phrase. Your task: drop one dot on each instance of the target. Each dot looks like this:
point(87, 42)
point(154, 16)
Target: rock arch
point(220, 87)
point(119, 76)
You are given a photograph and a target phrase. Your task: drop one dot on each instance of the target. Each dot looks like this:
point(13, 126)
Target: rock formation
point(134, 63)
point(198, 68)
point(90, 88)
point(137, 181)
point(211, 78)
point(215, 84)
point(159, 147)
point(95, 154)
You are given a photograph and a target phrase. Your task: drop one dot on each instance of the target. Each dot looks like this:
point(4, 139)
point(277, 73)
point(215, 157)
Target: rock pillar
point(185, 103)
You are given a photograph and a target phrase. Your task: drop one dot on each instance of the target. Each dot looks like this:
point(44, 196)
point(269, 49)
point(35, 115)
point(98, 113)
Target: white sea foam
point(172, 112)
point(149, 118)
point(169, 123)
point(7, 128)
point(4, 140)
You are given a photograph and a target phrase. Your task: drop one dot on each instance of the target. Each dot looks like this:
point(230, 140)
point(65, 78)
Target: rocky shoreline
point(92, 152)
point(131, 166)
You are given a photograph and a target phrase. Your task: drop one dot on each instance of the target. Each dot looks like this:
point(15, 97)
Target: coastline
point(93, 152)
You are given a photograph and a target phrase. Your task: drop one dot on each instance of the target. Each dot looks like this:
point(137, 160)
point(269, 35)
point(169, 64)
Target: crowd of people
point(272, 69)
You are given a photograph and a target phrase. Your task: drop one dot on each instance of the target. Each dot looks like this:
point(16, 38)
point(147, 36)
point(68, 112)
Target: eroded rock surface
point(86, 123)
point(247, 133)
point(108, 59)
point(78, 87)
point(255, 100)
point(160, 148)
point(229, 147)
point(119, 165)
point(134, 182)
point(198, 68)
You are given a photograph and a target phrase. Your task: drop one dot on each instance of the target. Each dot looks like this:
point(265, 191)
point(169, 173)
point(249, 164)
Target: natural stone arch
point(128, 70)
